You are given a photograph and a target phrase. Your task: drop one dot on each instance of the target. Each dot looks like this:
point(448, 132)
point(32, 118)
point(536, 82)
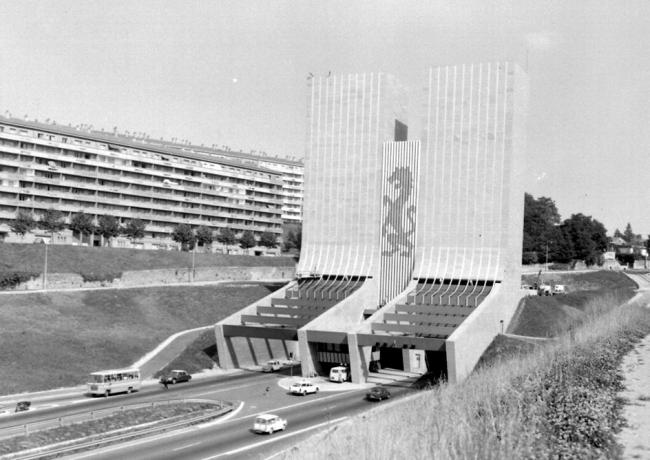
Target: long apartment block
point(45, 166)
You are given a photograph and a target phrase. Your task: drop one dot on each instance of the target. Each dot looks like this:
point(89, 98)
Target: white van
point(338, 374)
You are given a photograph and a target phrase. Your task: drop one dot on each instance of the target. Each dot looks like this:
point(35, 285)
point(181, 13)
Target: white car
point(272, 366)
point(269, 423)
point(303, 388)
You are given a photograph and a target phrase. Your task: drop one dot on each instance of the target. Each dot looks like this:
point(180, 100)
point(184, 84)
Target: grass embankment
point(200, 354)
point(54, 340)
point(549, 316)
point(101, 427)
point(558, 401)
point(98, 261)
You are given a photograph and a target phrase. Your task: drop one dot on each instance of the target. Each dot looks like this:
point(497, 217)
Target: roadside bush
point(90, 277)
point(9, 280)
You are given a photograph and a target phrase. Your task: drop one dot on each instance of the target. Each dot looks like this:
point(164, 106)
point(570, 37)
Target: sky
point(234, 73)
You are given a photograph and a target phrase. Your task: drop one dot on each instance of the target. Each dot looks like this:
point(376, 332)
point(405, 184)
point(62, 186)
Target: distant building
point(46, 166)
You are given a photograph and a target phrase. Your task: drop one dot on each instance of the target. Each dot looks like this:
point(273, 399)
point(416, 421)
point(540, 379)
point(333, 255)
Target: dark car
point(377, 394)
point(175, 376)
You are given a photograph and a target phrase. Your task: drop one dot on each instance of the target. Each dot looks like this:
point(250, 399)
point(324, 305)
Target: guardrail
point(94, 441)
point(119, 435)
point(84, 416)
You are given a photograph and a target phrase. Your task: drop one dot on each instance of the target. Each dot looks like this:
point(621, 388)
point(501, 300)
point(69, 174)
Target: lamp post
point(193, 256)
point(546, 256)
point(45, 268)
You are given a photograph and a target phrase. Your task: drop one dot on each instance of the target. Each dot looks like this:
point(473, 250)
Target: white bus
point(109, 382)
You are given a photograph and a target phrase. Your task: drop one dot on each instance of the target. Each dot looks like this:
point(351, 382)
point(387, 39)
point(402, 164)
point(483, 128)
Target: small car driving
point(175, 376)
point(269, 423)
point(303, 388)
point(377, 394)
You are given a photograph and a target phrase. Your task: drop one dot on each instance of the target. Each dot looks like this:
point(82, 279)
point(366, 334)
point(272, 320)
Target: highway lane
point(234, 438)
point(230, 387)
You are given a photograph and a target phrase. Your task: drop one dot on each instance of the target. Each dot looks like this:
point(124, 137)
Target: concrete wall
point(466, 345)
point(240, 351)
point(162, 276)
point(349, 117)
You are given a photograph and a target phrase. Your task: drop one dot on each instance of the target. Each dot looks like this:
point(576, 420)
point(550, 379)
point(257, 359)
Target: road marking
point(291, 406)
point(275, 439)
point(221, 390)
point(186, 446)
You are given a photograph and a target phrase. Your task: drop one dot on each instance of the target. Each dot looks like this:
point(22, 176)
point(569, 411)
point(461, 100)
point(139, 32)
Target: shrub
point(90, 277)
point(9, 280)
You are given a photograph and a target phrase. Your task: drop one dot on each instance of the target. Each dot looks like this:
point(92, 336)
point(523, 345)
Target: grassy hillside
point(559, 401)
point(548, 316)
point(79, 259)
point(55, 340)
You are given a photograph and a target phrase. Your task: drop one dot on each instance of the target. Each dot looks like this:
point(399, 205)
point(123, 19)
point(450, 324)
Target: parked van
point(338, 374)
point(559, 289)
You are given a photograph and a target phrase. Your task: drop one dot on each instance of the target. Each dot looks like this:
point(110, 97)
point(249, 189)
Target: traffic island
point(125, 424)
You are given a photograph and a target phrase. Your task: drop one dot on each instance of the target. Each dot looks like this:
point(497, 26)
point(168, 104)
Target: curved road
point(232, 437)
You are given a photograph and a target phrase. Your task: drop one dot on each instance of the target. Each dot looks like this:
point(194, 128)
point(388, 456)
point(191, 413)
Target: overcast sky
point(234, 73)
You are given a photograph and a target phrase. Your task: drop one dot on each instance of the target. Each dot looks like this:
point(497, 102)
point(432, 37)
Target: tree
point(108, 226)
point(134, 229)
point(588, 237)
point(23, 223)
point(226, 237)
point(541, 218)
point(268, 240)
point(52, 221)
point(293, 237)
point(618, 234)
point(204, 235)
point(82, 223)
point(628, 234)
point(184, 235)
point(247, 240)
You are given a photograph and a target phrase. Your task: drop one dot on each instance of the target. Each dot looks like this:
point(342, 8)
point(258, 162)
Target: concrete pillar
point(304, 351)
point(223, 351)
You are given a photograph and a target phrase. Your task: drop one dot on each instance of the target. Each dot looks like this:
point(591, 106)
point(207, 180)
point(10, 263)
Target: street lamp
point(45, 268)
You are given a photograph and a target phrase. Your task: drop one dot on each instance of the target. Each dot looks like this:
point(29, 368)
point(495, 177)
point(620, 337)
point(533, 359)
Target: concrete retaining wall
point(466, 345)
point(162, 276)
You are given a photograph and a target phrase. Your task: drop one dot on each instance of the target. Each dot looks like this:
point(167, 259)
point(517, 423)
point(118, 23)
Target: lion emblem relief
point(399, 217)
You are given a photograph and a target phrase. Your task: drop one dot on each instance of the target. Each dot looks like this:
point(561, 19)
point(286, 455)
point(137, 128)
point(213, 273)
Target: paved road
point(253, 392)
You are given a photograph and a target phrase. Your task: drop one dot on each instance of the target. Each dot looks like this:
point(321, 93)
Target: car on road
point(303, 387)
point(378, 394)
point(544, 289)
point(269, 423)
point(272, 366)
point(175, 376)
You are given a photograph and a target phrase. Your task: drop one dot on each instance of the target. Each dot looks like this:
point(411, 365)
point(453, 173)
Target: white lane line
point(221, 390)
point(186, 446)
point(222, 419)
point(275, 439)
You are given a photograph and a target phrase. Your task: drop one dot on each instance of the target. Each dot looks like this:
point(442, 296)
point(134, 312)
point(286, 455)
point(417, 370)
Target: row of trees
point(548, 238)
point(53, 221)
point(188, 237)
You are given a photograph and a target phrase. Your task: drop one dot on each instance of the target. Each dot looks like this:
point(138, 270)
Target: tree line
point(107, 226)
point(547, 238)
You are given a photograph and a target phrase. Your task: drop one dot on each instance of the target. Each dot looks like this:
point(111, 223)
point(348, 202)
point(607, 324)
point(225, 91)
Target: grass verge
point(127, 418)
point(558, 401)
point(55, 340)
point(109, 261)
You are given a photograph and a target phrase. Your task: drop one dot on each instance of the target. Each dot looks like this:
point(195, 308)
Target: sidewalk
point(636, 372)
